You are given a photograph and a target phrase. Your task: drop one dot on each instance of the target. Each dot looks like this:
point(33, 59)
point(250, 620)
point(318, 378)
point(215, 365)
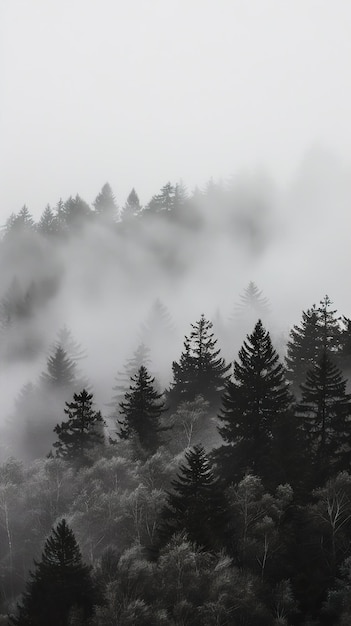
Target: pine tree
point(162, 203)
point(105, 204)
point(251, 302)
point(344, 352)
point(141, 411)
point(318, 331)
point(140, 357)
point(59, 584)
point(48, 223)
point(61, 371)
point(132, 207)
point(66, 341)
point(157, 332)
point(76, 212)
point(303, 348)
point(82, 431)
point(200, 370)
point(325, 411)
point(253, 406)
point(196, 505)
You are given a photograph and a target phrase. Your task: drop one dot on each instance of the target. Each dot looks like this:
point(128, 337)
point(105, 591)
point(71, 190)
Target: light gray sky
point(139, 92)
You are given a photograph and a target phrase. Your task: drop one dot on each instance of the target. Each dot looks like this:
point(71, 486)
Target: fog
point(255, 96)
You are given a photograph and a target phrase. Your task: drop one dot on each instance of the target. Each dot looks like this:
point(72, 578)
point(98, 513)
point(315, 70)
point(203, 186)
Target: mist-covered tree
point(254, 406)
point(61, 371)
point(325, 411)
point(162, 202)
point(200, 370)
point(251, 302)
point(76, 212)
point(15, 304)
point(131, 367)
point(48, 224)
point(82, 431)
point(141, 411)
point(132, 207)
point(158, 332)
point(72, 348)
point(60, 584)
point(196, 505)
point(20, 222)
point(105, 204)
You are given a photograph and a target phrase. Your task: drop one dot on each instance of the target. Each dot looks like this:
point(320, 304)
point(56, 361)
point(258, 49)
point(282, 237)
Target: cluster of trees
point(223, 499)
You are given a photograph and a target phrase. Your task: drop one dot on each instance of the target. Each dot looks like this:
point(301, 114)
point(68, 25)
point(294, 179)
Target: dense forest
point(179, 466)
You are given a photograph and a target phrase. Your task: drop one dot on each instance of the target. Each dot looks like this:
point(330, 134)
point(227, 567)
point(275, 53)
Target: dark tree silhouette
point(83, 430)
point(196, 505)
point(60, 584)
point(131, 367)
point(325, 410)
point(200, 370)
point(253, 406)
point(141, 411)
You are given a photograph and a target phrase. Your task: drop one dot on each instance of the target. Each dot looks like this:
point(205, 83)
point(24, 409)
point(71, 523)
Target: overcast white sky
point(139, 92)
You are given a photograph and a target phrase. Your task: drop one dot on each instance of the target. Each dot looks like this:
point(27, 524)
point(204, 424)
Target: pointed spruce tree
point(254, 407)
point(132, 207)
point(325, 413)
point(141, 411)
point(131, 367)
point(303, 348)
point(61, 371)
point(252, 302)
point(82, 431)
point(196, 505)
point(105, 204)
point(60, 584)
point(200, 370)
point(318, 331)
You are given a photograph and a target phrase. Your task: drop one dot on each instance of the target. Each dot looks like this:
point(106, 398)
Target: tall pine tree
point(200, 370)
point(196, 505)
point(325, 411)
point(254, 406)
point(141, 410)
point(60, 584)
point(82, 431)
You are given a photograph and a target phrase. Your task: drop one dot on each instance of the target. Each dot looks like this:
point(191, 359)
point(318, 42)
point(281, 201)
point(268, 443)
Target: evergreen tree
point(303, 348)
point(105, 204)
point(141, 411)
point(140, 357)
point(132, 207)
point(72, 348)
point(157, 332)
point(329, 326)
point(61, 371)
point(253, 408)
point(319, 331)
point(162, 202)
point(200, 370)
point(344, 352)
point(76, 212)
point(82, 431)
point(60, 584)
point(325, 411)
point(252, 302)
point(48, 223)
point(196, 505)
